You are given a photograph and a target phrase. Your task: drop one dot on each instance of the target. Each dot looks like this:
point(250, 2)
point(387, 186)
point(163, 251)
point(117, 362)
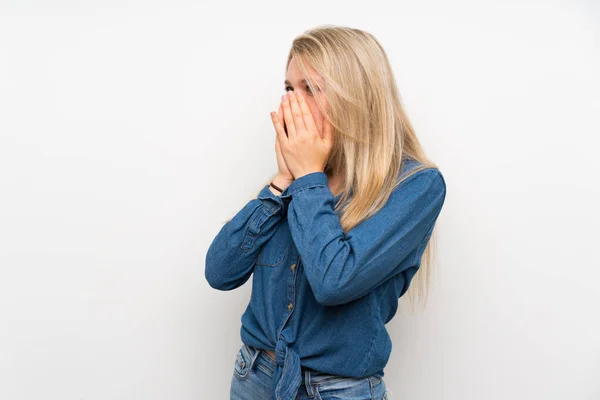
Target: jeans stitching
point(372, 386)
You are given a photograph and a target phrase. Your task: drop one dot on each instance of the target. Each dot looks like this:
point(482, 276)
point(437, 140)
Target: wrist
point(282, 182)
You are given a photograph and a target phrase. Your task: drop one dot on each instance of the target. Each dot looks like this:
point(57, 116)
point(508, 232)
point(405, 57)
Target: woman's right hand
point(284, 175)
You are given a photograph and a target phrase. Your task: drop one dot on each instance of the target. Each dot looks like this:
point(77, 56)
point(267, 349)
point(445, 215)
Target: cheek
point(318, 117)
point(316, 113)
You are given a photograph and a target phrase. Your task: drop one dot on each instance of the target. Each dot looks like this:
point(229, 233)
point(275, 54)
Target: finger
point(277, 150)
point(280, 116)
point(278, 127)
point(278, 146)
point(309, 121)
point(297, 113)
point(287, 115)
point(280, 113)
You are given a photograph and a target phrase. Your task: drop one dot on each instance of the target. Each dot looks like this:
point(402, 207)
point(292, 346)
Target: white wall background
point(129, 131)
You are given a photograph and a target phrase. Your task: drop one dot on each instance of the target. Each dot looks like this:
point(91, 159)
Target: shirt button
point(290, 306)
point(293, 267)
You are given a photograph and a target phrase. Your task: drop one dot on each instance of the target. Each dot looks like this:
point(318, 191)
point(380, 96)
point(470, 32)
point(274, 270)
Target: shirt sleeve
point(343, 267)
point(231, 255)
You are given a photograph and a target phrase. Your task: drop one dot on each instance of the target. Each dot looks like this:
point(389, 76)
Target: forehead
point(293, 74)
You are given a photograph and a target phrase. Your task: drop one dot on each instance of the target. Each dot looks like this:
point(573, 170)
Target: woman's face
point(294, 81)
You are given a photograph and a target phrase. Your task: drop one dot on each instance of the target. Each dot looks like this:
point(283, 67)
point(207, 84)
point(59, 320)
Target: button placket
point(291, 283)
point(291, 304)
point(287, 359)
point(291, 291)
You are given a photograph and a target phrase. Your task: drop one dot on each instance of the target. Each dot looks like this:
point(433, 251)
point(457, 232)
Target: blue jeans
point(253, 380)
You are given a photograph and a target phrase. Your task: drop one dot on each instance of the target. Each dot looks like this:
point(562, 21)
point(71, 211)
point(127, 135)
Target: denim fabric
point(321, 297)
point(253, 372)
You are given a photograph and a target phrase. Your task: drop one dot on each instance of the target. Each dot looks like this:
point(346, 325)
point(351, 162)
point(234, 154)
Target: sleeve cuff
point(272, 202)
point(314, 179)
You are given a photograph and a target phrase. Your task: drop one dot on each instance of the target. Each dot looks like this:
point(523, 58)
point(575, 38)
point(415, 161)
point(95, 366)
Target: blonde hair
point(372, 133)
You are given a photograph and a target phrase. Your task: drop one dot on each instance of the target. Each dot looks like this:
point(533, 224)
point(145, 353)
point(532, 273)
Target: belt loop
point(307, 384)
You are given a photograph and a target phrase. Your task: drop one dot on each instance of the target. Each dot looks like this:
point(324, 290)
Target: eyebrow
point(286, 82)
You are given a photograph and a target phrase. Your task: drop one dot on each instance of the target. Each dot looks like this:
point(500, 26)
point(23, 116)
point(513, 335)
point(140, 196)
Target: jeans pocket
point(244, 361)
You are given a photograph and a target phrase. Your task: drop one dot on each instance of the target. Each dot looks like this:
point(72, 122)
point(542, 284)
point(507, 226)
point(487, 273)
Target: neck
point(335, 183)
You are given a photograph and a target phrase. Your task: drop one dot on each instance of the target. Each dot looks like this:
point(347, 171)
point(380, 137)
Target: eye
point(287, 89)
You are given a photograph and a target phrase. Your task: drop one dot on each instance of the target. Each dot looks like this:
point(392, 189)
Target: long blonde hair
point(372, 133)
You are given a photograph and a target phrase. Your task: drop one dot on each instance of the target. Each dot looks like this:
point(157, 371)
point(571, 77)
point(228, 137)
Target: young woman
point(337, 236)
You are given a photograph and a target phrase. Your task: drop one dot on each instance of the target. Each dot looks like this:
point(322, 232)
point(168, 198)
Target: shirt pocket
point(277, 248)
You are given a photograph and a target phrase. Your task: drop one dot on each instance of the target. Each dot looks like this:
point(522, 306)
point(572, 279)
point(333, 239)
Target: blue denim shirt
point(320, 297)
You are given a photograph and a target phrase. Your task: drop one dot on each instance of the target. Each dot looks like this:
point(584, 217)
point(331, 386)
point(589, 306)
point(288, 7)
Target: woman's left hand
point(304, 148)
